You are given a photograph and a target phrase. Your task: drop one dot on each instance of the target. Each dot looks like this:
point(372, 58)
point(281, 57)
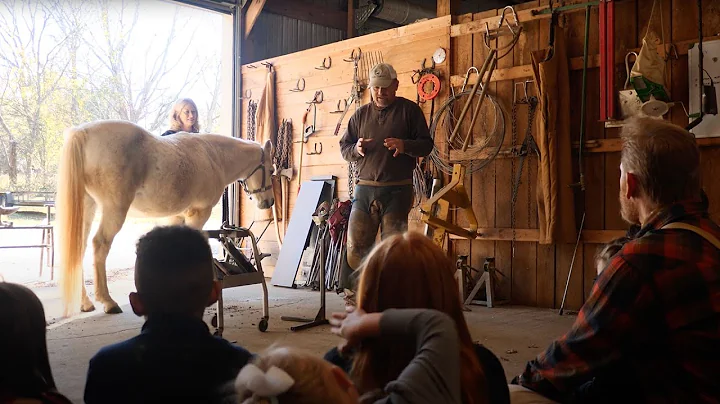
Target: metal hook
point(673, 48)
point(316, 149)
point(252, 67)
point(467, 77)
point(340, 109)
point(353, 55)
point(326, 63)
point(502, 19)
point(269, 65)
point(298, 87)
point(627, 67)
point(317, 98)
point(247, 94)
point(526, 98)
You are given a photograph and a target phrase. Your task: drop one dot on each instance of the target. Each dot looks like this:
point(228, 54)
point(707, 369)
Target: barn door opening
point(231, 105)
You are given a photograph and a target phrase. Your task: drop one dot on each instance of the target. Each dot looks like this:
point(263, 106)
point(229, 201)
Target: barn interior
point(300, 70)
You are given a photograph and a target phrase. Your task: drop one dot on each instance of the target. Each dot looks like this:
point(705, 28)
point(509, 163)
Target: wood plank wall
point(535, 274)
point(404, 48)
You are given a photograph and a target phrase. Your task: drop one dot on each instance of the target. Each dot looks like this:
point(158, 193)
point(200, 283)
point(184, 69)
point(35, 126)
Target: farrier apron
point(556, 206)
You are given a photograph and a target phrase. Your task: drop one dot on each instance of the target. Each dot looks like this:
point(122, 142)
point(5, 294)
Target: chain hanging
point(282, 159)
point(251, 114)
point(526, 149)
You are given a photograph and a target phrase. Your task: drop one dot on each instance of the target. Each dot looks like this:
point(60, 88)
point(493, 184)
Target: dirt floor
point(515, 334)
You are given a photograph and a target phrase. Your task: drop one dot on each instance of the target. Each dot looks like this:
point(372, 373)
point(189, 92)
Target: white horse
point(125, 170)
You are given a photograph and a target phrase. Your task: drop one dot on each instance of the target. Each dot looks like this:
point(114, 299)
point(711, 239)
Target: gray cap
point(382, 75)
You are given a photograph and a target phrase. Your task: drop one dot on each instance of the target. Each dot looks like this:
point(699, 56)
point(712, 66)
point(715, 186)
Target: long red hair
point(410, 271)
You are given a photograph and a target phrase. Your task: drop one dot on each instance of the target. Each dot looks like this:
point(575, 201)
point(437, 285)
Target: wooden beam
point(576, 63)
point(615, 145)
point(252, 13)
point(447, 7)
point(302, 11)
point(351, 19)
point(532, 235)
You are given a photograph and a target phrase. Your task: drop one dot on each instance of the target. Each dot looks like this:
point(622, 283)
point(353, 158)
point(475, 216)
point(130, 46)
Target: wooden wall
point(536, 274)
point(404, 47)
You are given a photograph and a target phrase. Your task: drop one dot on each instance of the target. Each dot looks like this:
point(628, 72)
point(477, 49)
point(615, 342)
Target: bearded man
point(650, 330)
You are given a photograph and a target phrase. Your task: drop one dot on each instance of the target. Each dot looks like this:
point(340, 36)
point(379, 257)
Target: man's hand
point(395, 144)
point(354, 325)
point(359, 146)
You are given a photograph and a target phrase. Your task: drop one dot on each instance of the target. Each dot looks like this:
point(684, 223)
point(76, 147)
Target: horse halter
point(260, 166)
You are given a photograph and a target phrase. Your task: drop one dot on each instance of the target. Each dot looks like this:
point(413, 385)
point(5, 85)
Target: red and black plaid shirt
point(656, 310)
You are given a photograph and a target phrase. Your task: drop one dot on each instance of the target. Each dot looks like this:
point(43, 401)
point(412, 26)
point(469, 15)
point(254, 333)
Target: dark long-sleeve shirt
point(173, 359)
point(403, 119)
point(433, 376)
point(655, 309)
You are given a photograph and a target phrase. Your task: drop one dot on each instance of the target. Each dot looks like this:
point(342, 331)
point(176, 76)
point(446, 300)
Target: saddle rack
point(236, 269)
point(453, 193)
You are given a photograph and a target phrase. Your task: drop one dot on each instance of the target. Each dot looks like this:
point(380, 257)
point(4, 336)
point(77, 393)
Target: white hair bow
point(264, 384)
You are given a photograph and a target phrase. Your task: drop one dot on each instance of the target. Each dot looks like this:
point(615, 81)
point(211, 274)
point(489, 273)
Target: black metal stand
point(320, 319)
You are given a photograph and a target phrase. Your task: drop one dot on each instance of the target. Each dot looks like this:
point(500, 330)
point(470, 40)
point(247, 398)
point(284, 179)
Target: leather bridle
point(263, 187)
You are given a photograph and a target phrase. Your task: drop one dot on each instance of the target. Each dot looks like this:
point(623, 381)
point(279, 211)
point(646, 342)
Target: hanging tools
point(308, 130)
point(362, 62)
point(422, 77)
point(488, 68)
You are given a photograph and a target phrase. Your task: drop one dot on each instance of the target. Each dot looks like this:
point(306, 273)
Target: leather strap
point(700, 232)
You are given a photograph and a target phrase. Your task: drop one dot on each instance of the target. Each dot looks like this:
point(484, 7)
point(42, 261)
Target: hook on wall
point(326, 63)
point(299, 86)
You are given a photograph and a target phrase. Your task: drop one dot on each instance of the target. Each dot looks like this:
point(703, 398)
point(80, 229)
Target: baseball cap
point(382, 75)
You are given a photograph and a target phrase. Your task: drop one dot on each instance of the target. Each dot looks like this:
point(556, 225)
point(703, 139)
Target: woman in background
point(25, 374)
point(183, 117)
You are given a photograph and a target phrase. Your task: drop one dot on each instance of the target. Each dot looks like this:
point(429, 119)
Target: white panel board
point(710, 125)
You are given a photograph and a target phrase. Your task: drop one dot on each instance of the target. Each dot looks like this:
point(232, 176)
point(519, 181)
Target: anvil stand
point(320, 219)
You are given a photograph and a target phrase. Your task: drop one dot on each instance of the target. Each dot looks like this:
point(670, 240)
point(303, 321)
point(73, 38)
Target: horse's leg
point(113, 217)
point(196, 218)
point(87, 304)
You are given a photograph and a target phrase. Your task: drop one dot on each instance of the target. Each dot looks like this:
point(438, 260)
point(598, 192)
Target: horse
point(124, 170)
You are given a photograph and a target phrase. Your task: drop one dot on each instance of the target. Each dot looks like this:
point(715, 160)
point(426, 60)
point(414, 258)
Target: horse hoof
point(87, 309)
point(113, 310)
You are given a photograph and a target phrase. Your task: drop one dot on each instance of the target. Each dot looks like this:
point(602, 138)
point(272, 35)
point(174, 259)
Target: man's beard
point(629, 211)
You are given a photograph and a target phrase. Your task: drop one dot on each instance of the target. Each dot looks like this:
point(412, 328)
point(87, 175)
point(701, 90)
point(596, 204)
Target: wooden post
point(351, 19)
point(447, 7)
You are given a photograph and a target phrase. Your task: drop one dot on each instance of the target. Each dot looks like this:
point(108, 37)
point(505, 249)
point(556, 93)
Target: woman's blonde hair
point(410, 271)
point(175, 123)
point(314, 382)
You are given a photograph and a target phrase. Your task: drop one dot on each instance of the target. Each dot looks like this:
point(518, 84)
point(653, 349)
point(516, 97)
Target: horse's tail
point(71, 217)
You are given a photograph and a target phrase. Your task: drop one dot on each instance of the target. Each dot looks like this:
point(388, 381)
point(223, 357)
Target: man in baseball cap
point(385, 138)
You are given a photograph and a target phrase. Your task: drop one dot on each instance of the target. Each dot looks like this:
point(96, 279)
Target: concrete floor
point(515, 334)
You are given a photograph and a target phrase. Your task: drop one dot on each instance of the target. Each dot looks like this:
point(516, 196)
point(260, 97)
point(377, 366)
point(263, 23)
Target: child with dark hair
point(25, 375)
point(175, 357)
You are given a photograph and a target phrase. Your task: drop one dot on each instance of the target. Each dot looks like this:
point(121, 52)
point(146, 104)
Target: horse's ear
point(267, 148)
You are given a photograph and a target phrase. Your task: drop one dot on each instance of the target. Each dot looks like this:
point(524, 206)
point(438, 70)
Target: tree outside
point(67, 62)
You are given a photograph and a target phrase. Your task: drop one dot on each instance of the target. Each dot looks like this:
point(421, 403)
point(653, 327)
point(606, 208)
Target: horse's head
point(258, 184)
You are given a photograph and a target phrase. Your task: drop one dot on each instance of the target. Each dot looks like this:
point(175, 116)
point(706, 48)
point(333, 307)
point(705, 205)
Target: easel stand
point(320, 219)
